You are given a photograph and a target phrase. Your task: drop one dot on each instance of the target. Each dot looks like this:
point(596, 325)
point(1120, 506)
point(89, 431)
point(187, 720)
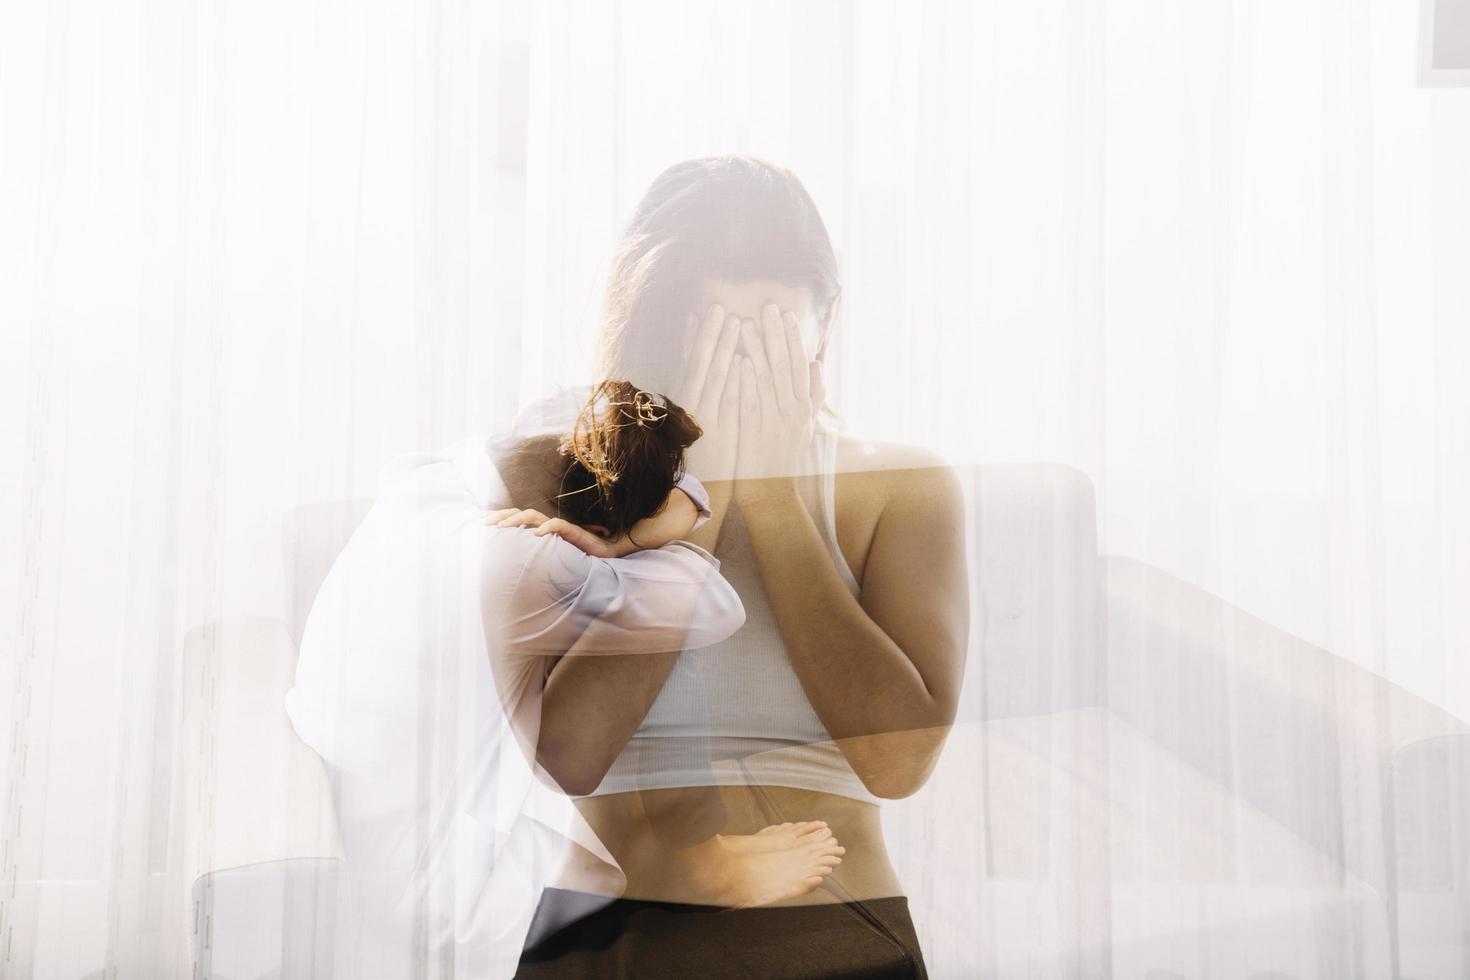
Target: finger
point(720, 366)
point(796, 352)
point(561, 527)
point(819, 385)
point(750, 405)
point(558, 526)
point(496, 515)
point(704, 350)
point(573, 534)
point(778, 350)
point(730, 400)
point(523, 518)
point(756, 354)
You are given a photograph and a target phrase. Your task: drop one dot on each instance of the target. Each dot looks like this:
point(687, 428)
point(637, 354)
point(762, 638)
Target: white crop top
point(734, 712)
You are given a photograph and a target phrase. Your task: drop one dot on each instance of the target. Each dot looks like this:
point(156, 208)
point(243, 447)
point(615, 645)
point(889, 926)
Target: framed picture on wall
point(1444, 43)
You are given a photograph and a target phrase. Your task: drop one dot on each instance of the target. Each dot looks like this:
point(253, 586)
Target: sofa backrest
point(1036, 636)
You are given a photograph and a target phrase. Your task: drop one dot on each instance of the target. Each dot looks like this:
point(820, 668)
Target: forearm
point(720, 494)
point(841, 656)
point(544, 597)
point(590, 708)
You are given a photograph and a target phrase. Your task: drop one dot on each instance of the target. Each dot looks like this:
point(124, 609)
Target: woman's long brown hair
point(728, 218)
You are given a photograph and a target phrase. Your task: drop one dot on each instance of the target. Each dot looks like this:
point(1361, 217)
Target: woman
point(423, 659)
point(848, 557)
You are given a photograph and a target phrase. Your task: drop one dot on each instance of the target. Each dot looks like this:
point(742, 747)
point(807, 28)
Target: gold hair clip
point(645, 410)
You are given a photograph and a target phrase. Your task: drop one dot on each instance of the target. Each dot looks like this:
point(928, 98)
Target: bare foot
point(782, 861)
point(775, 837)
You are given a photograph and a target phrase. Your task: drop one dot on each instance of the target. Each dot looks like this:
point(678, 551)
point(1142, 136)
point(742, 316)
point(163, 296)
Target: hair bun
point(626, 448)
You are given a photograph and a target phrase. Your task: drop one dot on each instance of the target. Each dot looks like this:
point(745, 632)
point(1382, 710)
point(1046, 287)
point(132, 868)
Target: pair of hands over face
point(757, 410)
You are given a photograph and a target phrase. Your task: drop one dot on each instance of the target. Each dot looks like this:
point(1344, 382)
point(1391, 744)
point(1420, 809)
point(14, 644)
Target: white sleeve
point(543, 595)
point(697, 493)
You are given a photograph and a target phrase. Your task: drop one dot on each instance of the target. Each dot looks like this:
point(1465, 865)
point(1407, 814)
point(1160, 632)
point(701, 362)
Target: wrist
point(766, 491)
point(718, 489)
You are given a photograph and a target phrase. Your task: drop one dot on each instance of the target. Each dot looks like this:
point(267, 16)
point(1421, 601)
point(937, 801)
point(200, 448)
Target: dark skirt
point(577, 935)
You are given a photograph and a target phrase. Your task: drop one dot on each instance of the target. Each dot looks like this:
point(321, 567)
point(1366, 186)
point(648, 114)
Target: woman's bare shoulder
point(856, 455)
point(872, 474)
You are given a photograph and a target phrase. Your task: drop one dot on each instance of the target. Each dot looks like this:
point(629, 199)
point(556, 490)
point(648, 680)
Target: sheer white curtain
point(1208, 260)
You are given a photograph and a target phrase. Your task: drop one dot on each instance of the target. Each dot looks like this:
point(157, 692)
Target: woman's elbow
point(897, 781)
point(896, 765)
point(577, 772)
point(886, 787)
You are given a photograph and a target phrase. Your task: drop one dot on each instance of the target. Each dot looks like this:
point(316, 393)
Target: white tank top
point(735, 713)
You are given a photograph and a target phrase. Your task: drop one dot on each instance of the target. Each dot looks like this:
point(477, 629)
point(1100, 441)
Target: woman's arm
point(542, 596)
point(590, 709)
point(612, 627)
point(882, 672)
